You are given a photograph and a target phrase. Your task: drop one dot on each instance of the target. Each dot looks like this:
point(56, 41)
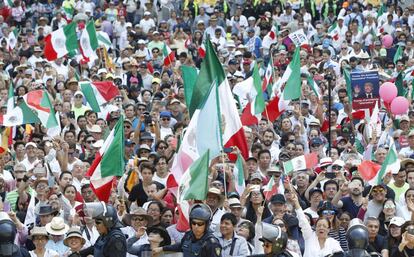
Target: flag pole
point(223, 156)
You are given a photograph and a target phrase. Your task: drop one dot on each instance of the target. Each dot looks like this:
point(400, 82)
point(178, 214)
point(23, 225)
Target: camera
point(148, 118)
point(71, 115)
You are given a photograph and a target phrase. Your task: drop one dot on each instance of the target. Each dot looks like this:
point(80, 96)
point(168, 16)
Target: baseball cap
point(315, 190)
point(278, 198)
point(256, 175)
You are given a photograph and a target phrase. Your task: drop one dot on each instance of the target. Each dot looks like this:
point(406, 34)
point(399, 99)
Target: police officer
point(7, 235)
point(357, 237)
point(199, 241)
point(111, 241)
point(274, 242)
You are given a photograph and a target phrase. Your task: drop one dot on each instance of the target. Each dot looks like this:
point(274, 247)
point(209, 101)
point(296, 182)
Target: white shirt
point(48, 253)
point(312, 247)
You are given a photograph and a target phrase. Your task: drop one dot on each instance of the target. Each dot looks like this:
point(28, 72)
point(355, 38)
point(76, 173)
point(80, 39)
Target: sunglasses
point(78, 96)
point(378, 190)
point(336, 167)
point(91, 141)
point(127, 127)
point(164, 119)
point(328, 212)
point(162, 147)
point(198, 224)
point(315, 145)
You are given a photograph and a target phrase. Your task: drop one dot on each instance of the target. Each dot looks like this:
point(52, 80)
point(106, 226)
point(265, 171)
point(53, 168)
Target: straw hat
point(57, 227)
point(38, 231)
point(139, 211)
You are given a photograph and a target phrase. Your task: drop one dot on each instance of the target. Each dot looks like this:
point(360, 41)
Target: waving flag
point(108, 163)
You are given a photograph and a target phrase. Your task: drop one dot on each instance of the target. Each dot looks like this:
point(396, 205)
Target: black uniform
point(207, 246)
point(112, 244)
point(282, 254)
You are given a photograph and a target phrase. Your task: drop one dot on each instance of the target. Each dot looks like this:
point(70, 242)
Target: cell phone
point(227, 149)
point(71, 115)
point(410, 230)
point(330, 175)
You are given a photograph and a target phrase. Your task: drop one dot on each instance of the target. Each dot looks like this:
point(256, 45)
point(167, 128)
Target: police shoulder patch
point(218, 251)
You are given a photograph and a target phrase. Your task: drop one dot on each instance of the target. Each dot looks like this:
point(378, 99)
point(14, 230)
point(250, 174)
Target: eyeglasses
point(315, 145)
point(127, 127)
point(91, 141)
point(328, 212)
point(389, 206)
point(198, 224)
point(138, 219)
point(336, 167)
point(165, 119)
point(78, 96)
point(41, 186)
point(162, 147)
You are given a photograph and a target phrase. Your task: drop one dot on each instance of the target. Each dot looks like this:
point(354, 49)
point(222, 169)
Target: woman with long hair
point(255, 200)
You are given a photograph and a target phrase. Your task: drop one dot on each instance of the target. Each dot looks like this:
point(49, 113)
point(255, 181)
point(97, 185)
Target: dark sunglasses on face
point(199, 224)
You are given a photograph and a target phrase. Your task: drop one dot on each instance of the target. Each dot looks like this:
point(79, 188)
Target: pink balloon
point(388, 91)
point(387, 41)
point(399, 105)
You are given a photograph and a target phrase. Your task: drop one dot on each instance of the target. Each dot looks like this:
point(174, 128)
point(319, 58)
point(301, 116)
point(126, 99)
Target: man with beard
point(268, 139)
point(353, 202)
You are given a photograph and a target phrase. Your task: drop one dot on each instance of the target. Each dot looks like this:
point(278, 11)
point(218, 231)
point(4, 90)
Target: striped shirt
point(12, 196)
point(340, 236)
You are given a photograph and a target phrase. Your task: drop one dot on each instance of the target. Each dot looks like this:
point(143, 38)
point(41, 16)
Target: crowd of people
point(52, 209)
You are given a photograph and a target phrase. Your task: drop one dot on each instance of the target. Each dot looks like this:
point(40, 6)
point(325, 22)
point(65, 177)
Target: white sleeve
point(304, 224)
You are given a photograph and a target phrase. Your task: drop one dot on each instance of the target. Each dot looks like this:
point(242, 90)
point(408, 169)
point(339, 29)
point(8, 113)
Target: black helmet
point(201, 212)
point(276, 236)
point(357, 235)
point(7, 235)
point(101, 211)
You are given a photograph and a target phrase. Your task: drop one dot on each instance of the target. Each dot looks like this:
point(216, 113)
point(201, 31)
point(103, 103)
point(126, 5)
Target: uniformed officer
point(274, 242)
point(111, 241)
point(357, 237)
point(7, 235)
point(199, 241)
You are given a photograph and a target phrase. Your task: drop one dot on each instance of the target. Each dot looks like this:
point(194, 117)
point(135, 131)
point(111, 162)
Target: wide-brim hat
point(73, 232)
point(38, 231)
point(216, 191)
point(139, 211)
point(57, 227)
point(406, 161)
point(162, 232)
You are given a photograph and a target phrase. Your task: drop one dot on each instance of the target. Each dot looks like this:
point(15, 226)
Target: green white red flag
point(108, 163)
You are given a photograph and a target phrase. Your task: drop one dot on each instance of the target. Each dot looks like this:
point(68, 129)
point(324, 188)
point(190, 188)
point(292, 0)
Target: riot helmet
point(274, 235)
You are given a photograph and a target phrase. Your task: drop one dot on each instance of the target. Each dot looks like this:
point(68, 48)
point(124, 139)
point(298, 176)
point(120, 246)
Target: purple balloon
point(388, 91)
point(387, 41)
point(399, 105)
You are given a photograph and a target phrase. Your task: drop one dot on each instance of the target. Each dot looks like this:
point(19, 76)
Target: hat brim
point(129, 216)
point(55, 232)
point(65, 241)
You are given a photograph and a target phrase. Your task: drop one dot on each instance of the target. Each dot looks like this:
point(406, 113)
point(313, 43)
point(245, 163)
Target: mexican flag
point(98, 93)
point(103, 39)
point(35, 108)
point(390, 164)
point(10, 98)
point(169, 55)
point(194, 183)
point(8, 3)
point(202, 50)
point(302, 162)
point(251, 90)
point(214, 122)
point(238, 173)
point(88, 40)
point(189, 75)
point(108, 163)
point(293, 87)
point(60, 42)
point(398, 54)
point(312, 84)
point(268, 79)
point(270, 189)
point(333, 31)
point(193, 186)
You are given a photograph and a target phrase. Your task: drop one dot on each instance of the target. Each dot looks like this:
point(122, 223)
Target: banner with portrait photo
point(365, 89)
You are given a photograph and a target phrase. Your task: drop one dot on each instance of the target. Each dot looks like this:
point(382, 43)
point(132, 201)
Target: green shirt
point(12, 196)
